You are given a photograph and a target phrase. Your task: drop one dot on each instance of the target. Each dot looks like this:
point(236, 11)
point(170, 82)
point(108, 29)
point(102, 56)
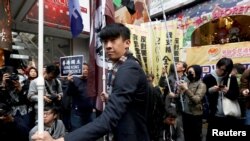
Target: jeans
point(80, 118)
point(247, 121)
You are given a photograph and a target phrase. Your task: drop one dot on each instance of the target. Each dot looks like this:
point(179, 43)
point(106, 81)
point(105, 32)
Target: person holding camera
point(14, 97)
point(53, 88)
point(193, 92)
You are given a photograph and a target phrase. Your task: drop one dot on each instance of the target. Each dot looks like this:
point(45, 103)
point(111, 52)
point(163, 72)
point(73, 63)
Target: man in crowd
point(125, 110)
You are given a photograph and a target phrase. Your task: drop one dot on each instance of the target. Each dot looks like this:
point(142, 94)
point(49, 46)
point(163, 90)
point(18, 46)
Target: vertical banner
point(139, 45)
point(149, 43)
point(5, 25)
point(95, 47)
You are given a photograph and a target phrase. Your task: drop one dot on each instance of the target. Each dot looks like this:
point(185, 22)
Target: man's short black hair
point(51, 106)
point(52, 68)
point(113, 31)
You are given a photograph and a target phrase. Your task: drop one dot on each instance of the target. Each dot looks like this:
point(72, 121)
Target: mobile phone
point(221, 86)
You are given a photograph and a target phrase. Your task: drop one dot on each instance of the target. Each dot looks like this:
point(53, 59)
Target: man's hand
point(6, 76)
point(104, 97)
point(44, 136)
point(183, 85)
point(17, 85)
point(70, 77)
point(172, 95)
point(47, 99)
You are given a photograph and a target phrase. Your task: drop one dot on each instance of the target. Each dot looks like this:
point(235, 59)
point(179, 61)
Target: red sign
point(56, 13)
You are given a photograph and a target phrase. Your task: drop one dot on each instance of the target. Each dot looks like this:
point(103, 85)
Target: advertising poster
point(208, 56)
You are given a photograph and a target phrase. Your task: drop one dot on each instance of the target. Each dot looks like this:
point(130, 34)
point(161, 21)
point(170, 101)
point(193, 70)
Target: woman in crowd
point(193, 93)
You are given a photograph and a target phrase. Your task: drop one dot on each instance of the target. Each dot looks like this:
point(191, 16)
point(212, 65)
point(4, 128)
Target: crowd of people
point(70, 113)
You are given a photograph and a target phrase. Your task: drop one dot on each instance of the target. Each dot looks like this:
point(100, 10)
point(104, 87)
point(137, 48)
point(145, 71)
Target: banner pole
point(170, 47)
point(40, 81)
point(157, 47)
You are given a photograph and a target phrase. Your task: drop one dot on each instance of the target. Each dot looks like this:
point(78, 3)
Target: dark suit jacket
point(124, 113)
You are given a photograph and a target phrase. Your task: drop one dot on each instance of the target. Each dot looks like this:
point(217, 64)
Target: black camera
point(14, 77)
point(53, 97)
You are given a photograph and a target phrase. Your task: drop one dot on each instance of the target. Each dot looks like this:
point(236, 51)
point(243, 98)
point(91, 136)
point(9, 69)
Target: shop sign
point(224, 12)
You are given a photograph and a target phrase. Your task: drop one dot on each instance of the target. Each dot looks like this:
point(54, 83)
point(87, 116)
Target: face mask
point(190, 76)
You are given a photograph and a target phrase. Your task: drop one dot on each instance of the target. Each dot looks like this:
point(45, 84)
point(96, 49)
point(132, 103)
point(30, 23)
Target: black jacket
point(232, 93)
point(124, 113)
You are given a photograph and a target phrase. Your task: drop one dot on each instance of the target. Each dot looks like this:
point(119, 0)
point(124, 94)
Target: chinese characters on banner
point(207, 56)
point(151, 45)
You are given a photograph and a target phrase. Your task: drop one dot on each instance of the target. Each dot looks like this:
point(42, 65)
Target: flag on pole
point(95, 48)
point(76, 25)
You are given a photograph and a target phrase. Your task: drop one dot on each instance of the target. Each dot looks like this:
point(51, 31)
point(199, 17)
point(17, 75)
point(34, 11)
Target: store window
point(223, 30)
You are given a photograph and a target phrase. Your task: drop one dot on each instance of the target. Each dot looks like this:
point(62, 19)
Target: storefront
point(215, 29)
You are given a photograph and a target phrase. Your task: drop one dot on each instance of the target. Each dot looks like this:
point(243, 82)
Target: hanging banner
point(5, 25)
point(208, 56)
point(149, 43)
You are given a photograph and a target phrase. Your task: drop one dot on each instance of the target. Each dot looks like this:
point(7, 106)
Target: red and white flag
point(102, 13)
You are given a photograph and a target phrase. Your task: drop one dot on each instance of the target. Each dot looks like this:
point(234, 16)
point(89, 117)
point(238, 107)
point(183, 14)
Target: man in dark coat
point(125, 110)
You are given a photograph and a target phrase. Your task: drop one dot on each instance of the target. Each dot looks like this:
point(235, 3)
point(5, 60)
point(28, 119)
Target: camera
point(53, 97)
point(14, 77)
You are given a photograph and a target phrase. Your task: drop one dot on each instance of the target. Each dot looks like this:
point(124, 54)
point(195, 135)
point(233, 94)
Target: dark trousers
point(192, 126)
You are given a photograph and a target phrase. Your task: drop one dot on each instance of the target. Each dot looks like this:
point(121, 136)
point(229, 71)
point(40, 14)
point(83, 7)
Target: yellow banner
point(209, 55)
point(151, 45)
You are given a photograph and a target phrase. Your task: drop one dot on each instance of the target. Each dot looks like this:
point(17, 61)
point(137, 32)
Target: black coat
point(124, 113)
point(232, 93)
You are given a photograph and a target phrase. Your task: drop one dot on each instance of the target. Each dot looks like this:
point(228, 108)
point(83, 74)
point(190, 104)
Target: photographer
point(53, 88)
point(13, 96)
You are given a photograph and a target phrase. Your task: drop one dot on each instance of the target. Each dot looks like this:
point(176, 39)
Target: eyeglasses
point(47, 113)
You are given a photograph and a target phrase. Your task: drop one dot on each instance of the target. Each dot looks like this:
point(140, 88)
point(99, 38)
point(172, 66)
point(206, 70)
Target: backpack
point(155, 112)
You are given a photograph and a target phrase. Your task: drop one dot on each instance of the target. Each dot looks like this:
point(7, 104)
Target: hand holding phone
point(221, 86)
